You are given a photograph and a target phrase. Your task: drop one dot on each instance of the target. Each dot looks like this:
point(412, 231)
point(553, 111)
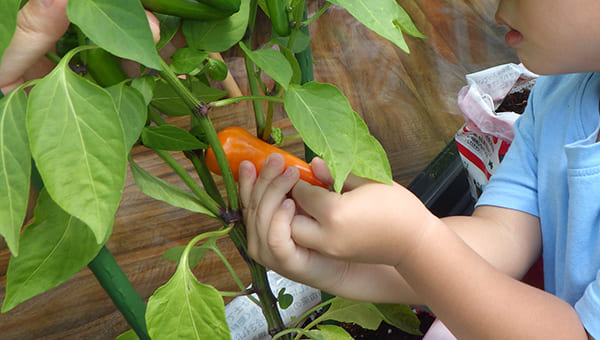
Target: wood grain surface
point(408, 102)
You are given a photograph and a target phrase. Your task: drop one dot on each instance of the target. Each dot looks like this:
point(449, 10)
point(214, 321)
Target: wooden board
point(408, 102)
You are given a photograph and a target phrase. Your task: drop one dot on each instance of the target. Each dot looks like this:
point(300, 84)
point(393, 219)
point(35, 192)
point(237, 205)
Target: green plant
point(80, 128)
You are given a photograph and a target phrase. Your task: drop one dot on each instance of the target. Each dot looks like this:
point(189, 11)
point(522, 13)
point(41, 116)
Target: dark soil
point(387, 332)
point(515, 102)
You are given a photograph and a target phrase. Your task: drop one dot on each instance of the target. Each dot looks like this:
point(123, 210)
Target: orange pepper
point(240, 145)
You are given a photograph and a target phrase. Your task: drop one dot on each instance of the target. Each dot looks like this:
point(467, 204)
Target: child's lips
point(513, 38)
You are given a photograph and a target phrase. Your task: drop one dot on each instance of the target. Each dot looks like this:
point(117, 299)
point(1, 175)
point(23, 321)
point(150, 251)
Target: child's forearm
point(373, 283)
point(478, 301)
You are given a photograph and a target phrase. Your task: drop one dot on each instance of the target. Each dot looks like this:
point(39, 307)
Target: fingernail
point(271, 159)
point(287, 204)
point(290, 171)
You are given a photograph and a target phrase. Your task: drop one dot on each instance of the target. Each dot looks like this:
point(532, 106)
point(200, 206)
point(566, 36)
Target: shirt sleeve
point(514, 184)
point(588, 308)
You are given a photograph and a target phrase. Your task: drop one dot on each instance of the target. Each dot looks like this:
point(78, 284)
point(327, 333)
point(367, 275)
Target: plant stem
point(206, 200)
point(224, 102)
point(155, 117)
point(53, 57)
point(250, 70)
point(268, 123)
point(316, 16)
point(305, 61)
point(260, 282)
point(199, 111)
point(205, 176)
point(120, 290)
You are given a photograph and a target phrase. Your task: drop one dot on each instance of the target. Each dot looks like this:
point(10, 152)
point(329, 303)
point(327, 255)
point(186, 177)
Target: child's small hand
point(268, 215)
point(369, 222)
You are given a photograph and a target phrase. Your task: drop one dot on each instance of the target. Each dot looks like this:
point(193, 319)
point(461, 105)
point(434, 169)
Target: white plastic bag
point(488, 132)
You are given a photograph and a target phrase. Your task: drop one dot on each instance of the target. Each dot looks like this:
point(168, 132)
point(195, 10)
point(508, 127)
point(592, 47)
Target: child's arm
point(359, 281)
point(319, 236)
point(477, 301)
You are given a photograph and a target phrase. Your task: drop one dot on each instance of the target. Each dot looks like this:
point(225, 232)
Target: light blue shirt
point(552, 170)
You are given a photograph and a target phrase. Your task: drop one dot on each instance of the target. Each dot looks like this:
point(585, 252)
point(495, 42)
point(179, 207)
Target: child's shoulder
point(564, 83)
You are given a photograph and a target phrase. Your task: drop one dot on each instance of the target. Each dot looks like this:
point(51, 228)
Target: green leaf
point(169, 137)
point(328, 332)
point(145, 86)
point(120, 27)
point(272, 62)
point(371, 160)
point(186, 309)
point(166, 192)
point(316, 109)
point(291, 58)
point(360, 313)
point(169, 25)
point(129, 335)
point(167, 101)
point(385, 17)
point(15, 167)
point(284, 300)
point(216, 69)
point(217, 35)
point(132, 109)
point(196, 252)
point(53, 249)
point(399, 316)
point(301, 42)
point(8, 24)
point(187, 59)
point(78, 144)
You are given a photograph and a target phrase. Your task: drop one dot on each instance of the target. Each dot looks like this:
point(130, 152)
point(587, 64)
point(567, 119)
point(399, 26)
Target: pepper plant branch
point(316, 15)
point(254, 91)
point(199, 110)
point(269, 122)
point(205, 176)
point(297, 19)
point(202, 195)
point(234, 274)
point(224, 102)
point(155, 117)
point(260, 282)
point(53, 57)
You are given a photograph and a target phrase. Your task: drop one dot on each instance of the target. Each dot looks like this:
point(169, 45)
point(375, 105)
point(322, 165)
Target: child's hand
point(370, 222)
point(268, 215)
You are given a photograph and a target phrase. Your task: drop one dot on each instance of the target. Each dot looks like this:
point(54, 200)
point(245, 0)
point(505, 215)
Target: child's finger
point(247, 177)
point(314, 200)
point(307, 233)
point(272, 198)
point(279, 239)
point(273, 167)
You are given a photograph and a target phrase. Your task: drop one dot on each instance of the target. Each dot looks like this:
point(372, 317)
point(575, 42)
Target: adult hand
point(40, 24)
